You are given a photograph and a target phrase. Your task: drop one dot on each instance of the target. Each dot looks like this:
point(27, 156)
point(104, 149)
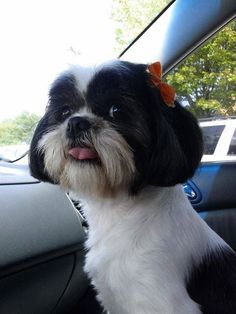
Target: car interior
point(42, 229)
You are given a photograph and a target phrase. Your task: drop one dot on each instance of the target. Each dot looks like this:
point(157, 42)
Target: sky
point(36, 39)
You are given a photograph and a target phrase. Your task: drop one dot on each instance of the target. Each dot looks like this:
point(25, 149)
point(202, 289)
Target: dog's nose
point(76, 125)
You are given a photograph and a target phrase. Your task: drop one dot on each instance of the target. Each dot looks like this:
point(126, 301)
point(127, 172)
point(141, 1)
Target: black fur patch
point(64, 96)
point(64, 91)
point(213, 283)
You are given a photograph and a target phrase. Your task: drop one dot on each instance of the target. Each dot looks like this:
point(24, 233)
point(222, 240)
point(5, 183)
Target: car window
point(232, 147)
point(205, 83)
point(39, 39)
point(211, 135)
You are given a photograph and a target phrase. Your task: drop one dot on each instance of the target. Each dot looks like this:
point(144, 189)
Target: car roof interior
point(178, 31)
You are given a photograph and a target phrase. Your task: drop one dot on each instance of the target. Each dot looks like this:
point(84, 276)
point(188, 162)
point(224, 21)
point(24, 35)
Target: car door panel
point(42, 241)
point(215, 201)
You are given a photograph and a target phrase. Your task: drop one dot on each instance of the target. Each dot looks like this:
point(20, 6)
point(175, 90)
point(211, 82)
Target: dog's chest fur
point(141, 252)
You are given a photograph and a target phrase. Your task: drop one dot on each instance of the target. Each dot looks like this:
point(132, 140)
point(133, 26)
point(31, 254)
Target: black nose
point(76, 125)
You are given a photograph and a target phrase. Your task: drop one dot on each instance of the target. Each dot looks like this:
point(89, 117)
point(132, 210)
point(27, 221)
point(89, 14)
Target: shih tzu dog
point(115, 137)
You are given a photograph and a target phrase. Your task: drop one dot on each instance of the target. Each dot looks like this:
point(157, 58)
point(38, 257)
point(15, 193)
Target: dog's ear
point(177, 144)
point(36, 156)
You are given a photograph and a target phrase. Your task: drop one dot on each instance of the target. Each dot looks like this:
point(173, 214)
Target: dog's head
point(107, 129)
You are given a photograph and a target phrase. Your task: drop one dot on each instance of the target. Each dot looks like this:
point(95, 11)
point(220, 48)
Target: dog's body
point(108, 137)
point(141, 253)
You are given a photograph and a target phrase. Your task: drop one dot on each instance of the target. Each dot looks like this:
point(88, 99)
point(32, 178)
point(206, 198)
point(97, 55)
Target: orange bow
point(167, 91)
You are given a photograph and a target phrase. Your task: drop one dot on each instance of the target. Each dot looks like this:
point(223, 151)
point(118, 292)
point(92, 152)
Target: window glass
point(205, 83)
point(211, 135)
point(232, 147)
point(39, 39)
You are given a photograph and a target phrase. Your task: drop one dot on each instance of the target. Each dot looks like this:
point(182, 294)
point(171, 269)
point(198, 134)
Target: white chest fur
point(141, 249)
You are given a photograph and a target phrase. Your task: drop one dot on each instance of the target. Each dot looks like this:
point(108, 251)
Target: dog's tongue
point(82, 153)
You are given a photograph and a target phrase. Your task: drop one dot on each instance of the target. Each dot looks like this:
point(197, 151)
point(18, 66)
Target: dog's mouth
point(83, 153)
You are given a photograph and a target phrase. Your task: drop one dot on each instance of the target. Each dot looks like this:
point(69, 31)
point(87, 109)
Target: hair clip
point(167, 91)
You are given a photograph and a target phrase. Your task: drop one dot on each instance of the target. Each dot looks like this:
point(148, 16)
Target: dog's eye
point(66, 111)
point(114, 111)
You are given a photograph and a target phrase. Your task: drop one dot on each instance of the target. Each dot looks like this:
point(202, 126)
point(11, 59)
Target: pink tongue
point(82, 153)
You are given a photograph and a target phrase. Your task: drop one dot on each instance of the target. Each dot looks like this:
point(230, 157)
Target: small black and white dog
point(109, 137)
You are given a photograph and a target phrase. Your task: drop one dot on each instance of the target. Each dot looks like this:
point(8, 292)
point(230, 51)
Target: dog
point(109, 137)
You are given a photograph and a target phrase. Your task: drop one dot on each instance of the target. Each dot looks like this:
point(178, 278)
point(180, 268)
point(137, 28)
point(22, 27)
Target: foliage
point(132, 16)
point(206, 80)
point(18, 130)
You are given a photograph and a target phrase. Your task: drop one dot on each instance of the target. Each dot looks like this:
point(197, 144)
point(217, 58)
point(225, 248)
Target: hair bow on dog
point(167, 91)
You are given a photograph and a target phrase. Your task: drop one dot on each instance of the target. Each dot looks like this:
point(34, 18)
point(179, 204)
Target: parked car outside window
point(219, 139)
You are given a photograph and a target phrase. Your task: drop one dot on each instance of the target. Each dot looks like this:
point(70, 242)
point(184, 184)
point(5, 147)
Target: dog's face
point(107, 129)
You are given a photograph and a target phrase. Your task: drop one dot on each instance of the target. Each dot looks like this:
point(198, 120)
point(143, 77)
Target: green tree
point(206, 80)
point(18, 130)
point(132, 16)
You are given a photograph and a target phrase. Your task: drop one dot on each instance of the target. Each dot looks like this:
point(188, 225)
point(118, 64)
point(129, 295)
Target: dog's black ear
point(36, 156)
point(177, 144)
